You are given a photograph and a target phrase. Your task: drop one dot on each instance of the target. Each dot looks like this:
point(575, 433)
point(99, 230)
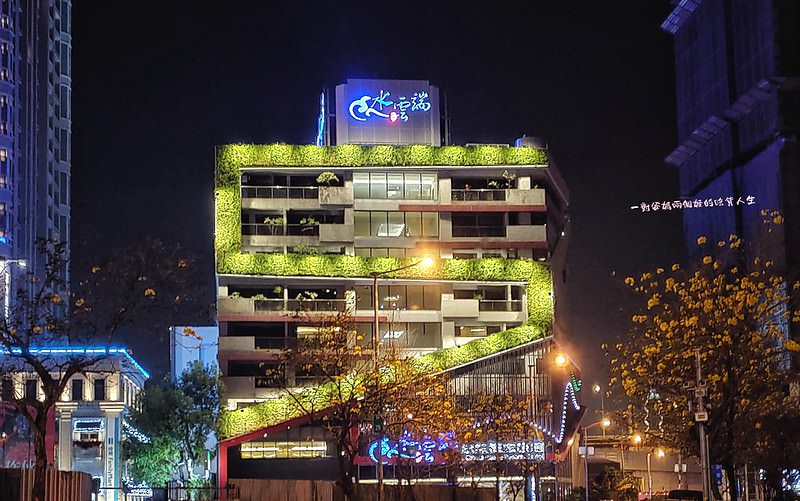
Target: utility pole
point(701, 417)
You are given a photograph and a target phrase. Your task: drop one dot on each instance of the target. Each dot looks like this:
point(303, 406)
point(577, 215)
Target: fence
point(17, 485)
point(319, 490)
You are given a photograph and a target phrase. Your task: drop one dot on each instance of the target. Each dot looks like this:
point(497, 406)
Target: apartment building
point(35, 133)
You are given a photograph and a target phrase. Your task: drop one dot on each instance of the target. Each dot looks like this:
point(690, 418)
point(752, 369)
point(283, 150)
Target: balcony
point(280, 197)
point(336, 195)
point(228, 344)
point(499, 305)
point(527, 233)
point(460, 308)
point(478, 231)
point(336, 233)
point(295, 192)
point(479, 195)
point(249, 306)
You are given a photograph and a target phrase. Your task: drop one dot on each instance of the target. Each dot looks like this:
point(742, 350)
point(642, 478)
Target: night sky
point(156, 85)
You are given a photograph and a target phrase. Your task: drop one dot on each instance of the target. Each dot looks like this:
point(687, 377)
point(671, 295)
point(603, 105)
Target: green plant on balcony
point(274, 224)
point(327, 178)
point(308, 224)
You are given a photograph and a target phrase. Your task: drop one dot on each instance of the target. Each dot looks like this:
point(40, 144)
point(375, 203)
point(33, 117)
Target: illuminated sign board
point(427, 449)
point(397, 112)
point(383, 107)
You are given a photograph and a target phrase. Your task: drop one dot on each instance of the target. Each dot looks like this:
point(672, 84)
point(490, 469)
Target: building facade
point(444, 246)
point(35, 132)
point(737, 75)
point(89, 423)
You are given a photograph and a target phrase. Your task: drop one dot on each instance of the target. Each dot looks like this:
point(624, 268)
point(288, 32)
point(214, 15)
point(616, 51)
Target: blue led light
point(81, 350)
point(319, 141)
point(410, 449)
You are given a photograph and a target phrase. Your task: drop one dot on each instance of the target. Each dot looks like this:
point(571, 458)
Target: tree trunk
point(39, 430)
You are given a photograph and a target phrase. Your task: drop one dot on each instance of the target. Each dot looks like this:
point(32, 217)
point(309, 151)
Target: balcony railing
point(325, 305)
point(499, 305)
point(479, 231)
point(479, 195)
point(278, 230)
point(275, 343)
point(307, 192)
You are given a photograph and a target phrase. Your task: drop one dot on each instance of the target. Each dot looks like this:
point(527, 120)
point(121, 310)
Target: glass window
point(378, 224)
point(361, 185)
point(470, 330)
point(397, 252)
point(361, 223)
point(397, 226)
point(363, 251)
point(415, 297)
point(99, 389)
point(363, 297)
point(377, 185)
point(396, 299)
point(395, 185)
point(428, 187)
point(430, 224)
point(412, 186)
point(414, 224)
point(77, 390)
point(30, 389)
point(432, 299)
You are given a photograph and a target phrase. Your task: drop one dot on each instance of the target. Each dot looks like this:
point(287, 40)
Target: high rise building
point(326, 229)
point(35, 130)
point(737, 74)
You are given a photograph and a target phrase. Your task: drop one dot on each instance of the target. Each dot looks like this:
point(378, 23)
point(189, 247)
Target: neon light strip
point(77, 350)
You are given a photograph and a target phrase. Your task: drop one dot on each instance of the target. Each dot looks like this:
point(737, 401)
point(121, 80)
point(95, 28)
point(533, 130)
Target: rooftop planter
point(230, 158)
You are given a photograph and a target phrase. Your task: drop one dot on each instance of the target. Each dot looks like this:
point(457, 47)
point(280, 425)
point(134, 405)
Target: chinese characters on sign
point(697, 203)
point(382, 107)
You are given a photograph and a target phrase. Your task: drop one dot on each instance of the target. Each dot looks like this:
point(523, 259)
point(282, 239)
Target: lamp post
point(605, 423)
point(659, 453)
point(599, 390)
point(376, 342)
point(6, 273)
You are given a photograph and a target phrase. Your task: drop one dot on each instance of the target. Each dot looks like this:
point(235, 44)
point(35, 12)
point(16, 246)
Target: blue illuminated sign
point(409, 449)
point(382, 107)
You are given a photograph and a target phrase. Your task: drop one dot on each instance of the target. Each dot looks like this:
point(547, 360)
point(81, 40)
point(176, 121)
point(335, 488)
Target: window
point(8, 390)
point(395, 185)
point(400, 297)
point(476, 330)
point(284, 450)
point(3, 154)
point(99, 389)
point(396, 224)
point(77, 390)
point(31, 385)
point(479, 225)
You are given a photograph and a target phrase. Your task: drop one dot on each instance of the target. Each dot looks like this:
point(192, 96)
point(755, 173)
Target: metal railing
point(499, 305)
point(332, 305)
point(479, 195)
point(479, 231)
point(305, 192)
point(278, 230)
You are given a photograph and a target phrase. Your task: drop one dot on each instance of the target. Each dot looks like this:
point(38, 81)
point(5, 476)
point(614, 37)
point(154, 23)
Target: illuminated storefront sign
point(427, 449)
point(409, 449)
point(383, 106)
point(504, 451)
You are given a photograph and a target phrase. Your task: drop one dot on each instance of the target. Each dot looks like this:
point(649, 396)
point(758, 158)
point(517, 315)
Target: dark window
point(8, 390)
point(77, 390)
point(99, 389)
point(30, 389)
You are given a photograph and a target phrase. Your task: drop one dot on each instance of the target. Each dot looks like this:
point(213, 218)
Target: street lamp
point(599, 390)
point(427, 263)
point(659, 453)
point(605, 423)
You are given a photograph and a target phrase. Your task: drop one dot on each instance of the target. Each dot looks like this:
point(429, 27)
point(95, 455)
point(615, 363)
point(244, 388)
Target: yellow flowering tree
point(736, 312)
point(135, 288)
point(332, 377)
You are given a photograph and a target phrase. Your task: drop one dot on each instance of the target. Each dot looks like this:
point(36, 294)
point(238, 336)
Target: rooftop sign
point(397, 112)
